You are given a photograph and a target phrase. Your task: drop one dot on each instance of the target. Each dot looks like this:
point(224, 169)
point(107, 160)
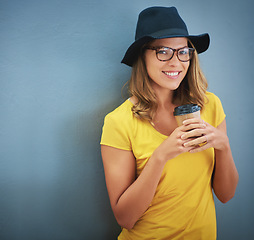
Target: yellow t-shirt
point(183, 205)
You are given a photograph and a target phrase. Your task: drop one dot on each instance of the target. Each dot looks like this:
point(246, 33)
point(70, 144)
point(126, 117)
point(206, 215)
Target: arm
point(130, 196)
point(225, 176)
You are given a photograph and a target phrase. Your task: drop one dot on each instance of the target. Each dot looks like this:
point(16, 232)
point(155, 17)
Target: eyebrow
point(158, 47)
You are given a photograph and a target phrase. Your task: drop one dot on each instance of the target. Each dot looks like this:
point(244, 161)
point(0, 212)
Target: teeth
point(171, 73)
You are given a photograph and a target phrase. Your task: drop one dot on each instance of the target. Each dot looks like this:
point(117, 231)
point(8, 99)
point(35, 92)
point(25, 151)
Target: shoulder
point(122, 117)
point(121, 113)
point(212, 97)
point(212, 110)
point(118, 126)
point(213, 101)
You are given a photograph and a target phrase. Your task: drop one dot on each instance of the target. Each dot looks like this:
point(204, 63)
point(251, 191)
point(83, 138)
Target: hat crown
point(155, 21)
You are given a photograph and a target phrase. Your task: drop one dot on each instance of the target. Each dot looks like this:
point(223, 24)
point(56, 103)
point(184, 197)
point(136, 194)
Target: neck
point(165, 109)
point(164, 99)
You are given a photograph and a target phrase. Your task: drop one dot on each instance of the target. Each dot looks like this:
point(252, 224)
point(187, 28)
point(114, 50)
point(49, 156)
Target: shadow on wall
point(64, 196)
point(82, 204)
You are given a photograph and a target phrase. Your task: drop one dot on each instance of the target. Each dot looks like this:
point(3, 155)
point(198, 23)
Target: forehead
point(171, 42)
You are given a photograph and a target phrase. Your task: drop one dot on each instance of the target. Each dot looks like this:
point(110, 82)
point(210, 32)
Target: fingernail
point(183, 136)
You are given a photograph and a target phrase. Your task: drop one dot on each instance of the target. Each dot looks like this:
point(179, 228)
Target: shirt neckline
point(151, 126)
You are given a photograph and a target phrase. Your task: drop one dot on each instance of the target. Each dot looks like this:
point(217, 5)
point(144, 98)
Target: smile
point(172, 74)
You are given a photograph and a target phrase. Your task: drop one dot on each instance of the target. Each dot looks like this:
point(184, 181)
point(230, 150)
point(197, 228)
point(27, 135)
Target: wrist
point(158, 157)
point(224, 146)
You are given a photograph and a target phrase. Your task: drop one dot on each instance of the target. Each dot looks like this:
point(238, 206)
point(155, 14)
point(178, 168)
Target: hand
point(206, 137)
point(175, 143)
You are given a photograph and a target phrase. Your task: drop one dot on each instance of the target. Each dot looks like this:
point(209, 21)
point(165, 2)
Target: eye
point(163, 51)
point(183, 51)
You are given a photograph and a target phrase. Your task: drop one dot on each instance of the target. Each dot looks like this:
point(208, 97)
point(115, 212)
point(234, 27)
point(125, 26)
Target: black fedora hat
point(161, 22)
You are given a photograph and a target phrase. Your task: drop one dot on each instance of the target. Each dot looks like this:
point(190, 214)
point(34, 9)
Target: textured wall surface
point(60, 74)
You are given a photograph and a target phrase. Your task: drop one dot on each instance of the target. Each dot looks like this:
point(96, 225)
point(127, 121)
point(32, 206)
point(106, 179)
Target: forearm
point(225, 177)
point(138, 196)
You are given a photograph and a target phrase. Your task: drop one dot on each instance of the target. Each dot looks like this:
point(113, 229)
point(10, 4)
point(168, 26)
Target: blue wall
point(60, 73)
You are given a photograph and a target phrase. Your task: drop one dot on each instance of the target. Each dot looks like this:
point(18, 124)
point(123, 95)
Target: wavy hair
point(191, 90)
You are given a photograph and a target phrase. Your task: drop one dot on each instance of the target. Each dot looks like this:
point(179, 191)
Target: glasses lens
point(164, 54)
point(185, 54)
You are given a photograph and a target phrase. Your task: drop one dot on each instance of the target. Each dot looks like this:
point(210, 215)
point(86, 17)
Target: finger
point(186, 149)
point(196, 141)
point(194, 133)
point(192, 120)
point(193, 126)
point(200, 149)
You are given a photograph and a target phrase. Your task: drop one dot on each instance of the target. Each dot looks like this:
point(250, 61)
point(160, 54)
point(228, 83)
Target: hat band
point(170, 32)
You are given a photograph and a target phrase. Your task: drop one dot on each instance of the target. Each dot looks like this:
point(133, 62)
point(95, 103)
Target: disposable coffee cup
point(187, 111)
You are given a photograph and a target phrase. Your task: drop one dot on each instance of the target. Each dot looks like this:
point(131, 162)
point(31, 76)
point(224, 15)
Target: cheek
point(149, 66)
point(152, 71)
point(152, 65)
point(186, 66)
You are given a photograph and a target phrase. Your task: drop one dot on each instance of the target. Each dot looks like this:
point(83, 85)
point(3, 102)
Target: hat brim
point(200, 42)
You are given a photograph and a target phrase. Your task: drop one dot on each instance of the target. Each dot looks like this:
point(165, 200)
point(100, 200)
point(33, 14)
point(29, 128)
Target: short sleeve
point(219, 112)
point(115, 133)
point(213, 111)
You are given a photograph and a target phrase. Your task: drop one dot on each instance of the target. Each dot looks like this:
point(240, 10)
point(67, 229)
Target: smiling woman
point(160, 176)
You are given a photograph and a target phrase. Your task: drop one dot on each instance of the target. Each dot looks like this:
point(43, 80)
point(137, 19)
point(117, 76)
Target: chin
point(174, 87)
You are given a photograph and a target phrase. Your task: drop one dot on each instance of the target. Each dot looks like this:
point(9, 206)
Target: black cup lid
point(186, 109)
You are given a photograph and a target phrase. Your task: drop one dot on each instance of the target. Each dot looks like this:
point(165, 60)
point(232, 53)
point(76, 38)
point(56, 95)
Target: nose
point(174, 60)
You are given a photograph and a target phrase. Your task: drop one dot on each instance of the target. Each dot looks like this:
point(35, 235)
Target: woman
point(160, 176)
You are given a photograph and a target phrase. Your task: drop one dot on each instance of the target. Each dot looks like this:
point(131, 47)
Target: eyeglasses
point(166, 53)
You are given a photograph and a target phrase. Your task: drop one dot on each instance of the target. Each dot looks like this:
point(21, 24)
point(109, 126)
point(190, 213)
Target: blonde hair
point(191, 90)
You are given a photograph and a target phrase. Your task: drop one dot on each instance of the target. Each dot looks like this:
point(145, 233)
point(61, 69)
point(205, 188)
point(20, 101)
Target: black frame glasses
point(164, 54)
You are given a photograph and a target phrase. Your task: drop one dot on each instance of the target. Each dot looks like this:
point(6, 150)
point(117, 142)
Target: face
point(166, 75)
